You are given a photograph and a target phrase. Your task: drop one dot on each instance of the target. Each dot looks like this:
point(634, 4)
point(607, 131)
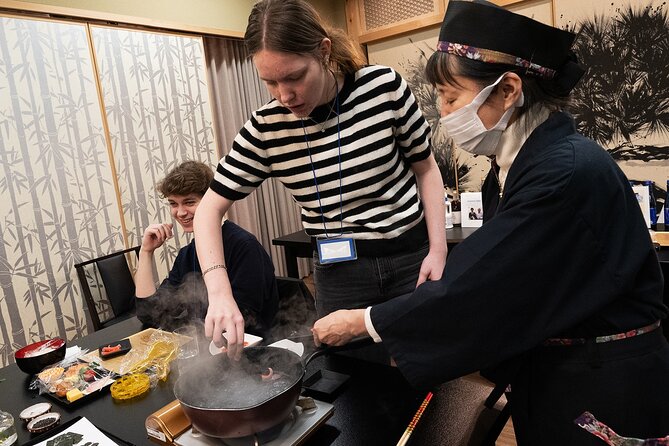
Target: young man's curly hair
point(189, 177)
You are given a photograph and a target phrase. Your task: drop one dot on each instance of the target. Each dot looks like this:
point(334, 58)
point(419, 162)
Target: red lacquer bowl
point(33, 358)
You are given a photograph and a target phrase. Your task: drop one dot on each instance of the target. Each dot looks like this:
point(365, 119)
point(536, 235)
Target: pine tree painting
point(622, 102)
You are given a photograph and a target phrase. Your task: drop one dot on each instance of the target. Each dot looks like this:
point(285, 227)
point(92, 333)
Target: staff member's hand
point(339, 327)
point(223, 316)
point(155, 235)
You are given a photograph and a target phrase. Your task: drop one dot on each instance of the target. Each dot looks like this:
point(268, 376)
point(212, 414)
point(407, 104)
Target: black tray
point(87, 397)
point(324, 384)
point(84, 399)
point(125, 348)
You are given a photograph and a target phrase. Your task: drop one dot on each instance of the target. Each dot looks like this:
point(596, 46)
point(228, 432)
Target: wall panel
point(56, 187)
point(78, 166)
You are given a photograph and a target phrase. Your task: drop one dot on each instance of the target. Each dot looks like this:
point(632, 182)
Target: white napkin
point(295, 347)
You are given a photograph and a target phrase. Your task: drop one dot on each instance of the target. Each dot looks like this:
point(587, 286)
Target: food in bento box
point(50, 375)
point(72, 372)
point(70, 383)
point(98, 385)
point(61, 388)
point(74, 394)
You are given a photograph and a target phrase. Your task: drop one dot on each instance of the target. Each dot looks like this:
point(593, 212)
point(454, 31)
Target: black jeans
point(365, 281)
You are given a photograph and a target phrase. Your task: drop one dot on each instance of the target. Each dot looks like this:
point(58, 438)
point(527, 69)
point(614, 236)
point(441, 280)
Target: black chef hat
point(483, 31)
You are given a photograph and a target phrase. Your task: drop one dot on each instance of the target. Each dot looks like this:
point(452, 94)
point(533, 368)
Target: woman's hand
point(340, 327)
point(155, 235)
point(432, 267)
point(223, 316)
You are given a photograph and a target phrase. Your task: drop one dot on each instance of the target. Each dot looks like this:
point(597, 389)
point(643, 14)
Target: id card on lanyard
point(332, 248)
point(336, 249)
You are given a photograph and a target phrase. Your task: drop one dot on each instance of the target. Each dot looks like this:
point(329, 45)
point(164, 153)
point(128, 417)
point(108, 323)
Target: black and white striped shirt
point(382, 132)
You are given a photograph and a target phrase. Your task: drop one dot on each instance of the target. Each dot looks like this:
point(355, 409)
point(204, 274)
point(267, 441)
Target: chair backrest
point(117, 282)
point(297, 310)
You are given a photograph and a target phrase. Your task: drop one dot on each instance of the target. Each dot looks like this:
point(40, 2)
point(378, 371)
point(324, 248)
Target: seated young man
point(182, 297)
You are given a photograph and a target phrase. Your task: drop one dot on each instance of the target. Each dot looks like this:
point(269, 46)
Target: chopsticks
point(296, 337)
point(414, 421)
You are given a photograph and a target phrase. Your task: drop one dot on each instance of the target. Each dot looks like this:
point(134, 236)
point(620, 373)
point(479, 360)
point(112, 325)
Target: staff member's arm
point(223, 314)
point(341, 326)
point(431, 190)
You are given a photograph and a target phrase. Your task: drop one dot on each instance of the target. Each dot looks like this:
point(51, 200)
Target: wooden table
point(298, 245)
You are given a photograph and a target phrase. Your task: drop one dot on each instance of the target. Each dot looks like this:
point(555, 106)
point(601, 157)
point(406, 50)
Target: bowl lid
point(34, 411)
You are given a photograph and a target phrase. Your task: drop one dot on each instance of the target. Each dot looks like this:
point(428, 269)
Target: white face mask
point(467, 130)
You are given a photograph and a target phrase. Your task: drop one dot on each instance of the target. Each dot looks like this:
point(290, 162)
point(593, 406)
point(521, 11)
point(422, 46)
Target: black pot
point(228, 399)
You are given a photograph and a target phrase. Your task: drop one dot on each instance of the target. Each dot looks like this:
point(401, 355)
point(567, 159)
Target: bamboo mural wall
point(59, 181)
point(157, 107)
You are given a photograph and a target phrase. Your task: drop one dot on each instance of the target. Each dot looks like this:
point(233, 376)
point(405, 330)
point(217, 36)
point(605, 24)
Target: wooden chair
point(297, 309)
point(112, 274)
point(462, 413)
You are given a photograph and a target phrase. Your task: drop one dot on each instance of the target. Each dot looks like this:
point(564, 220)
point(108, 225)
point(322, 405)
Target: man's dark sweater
point(182, 296)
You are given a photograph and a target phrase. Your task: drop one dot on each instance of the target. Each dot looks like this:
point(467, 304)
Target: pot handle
point(327, 349)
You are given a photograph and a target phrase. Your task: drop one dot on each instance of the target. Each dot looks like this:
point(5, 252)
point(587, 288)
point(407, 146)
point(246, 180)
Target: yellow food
point(51, 374)
point(73, 395)
point(130, 386)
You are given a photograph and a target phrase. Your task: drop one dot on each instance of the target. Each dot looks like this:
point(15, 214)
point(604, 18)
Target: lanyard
point(313, 169)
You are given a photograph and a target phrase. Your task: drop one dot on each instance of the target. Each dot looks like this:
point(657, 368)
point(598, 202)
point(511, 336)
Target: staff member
point(559, 293)
point(351, 145)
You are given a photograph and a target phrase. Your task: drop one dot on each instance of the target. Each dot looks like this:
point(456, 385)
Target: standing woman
point(559, 293)
point(351, 145)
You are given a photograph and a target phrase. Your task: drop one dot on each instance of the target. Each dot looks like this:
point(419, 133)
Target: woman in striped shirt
point(351, 144)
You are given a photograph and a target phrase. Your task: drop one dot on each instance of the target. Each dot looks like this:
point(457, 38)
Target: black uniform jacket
point(564, 253)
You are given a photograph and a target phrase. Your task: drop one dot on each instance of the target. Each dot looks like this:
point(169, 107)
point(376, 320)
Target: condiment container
point(455, 209)
point(449, 214)
point(652, 203)
point(164, 425)
point(43, 422)
point(666, 209)
point(34, 411)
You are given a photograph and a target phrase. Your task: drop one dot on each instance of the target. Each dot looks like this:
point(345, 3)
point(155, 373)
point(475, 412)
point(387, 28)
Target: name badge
point(332, 250)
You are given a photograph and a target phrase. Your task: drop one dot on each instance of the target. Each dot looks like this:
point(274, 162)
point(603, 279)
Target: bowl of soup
point(33, 358)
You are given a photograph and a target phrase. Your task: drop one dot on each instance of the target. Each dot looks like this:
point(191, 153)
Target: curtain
point(237, 91)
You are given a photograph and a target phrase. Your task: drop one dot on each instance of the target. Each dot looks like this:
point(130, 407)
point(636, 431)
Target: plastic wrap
point(73, 378)
point(152, 357)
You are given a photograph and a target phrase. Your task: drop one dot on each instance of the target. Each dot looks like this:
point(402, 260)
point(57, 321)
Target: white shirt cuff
point(369, 326)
